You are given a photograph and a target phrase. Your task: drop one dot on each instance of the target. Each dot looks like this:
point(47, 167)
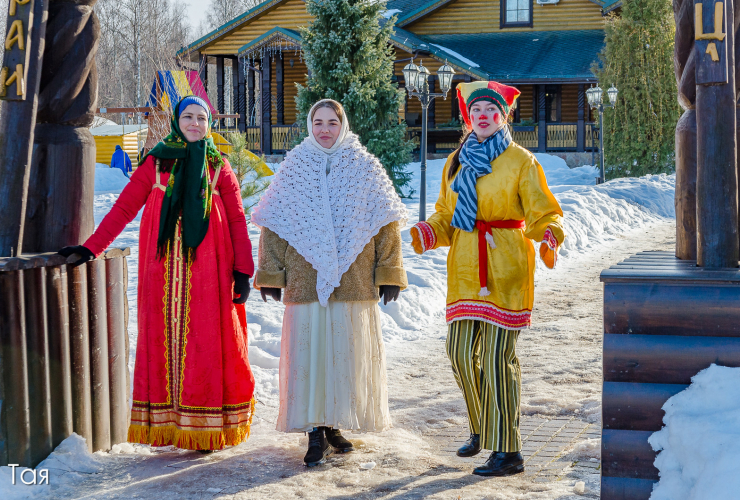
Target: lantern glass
point(445, 74)
point(598, 94)
point(410, 73)
point(612, 93)
point(422, 78)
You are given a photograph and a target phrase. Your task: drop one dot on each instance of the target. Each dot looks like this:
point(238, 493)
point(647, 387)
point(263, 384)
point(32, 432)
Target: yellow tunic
point(516, 189)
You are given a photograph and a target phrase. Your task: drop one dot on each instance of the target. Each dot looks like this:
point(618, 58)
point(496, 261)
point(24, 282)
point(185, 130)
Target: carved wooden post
point(685, 67)
point(716, 168)
point(581, 127)
point(61, 188)
point(280, 88)
point(542, 119)
point(220, 101)
point(20, 85)
point(241, 108)
point(266, 100)
point(250, 98)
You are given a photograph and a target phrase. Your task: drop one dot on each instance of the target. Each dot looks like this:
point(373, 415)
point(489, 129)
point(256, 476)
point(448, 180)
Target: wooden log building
point(543, 47)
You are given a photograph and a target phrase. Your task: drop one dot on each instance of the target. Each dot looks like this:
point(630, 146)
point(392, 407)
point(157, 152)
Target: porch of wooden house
point(261, 100)
point(552, 118)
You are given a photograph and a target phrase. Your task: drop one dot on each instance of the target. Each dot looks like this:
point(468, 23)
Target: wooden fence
point(664, 321)
point(64, 354)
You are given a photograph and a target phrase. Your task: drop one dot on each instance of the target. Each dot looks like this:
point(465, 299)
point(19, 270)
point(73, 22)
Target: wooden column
point(60, 369)
point(17, 122)
point(37, 338)
point(203, 70)
point(79, 341)
point(16, 412)
point(220, 101)
point(266, 100)
point(716, 169)
point(280, 97)
point(241, 109)
point(62, 183)
point(685, 66)
point(117, 353)
point(542, 124)
point(251, 115)
point(581, 131)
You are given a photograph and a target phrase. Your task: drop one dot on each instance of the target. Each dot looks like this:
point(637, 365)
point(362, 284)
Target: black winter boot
point(501, 464)
point(337, 441)
point(318, 448)
point(471, 447)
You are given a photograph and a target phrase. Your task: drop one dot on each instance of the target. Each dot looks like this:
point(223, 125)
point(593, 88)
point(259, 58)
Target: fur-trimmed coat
point(379, 263)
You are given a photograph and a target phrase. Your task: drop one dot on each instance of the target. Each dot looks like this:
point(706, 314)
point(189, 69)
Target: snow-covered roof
point(117, 129)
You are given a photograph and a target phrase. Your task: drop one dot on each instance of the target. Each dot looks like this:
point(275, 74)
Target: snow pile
point(456, 55)
point(109, 180)
point(700, 442)
point(67, 466)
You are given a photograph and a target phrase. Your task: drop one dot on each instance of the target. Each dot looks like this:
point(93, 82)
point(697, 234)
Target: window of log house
point(516, 13)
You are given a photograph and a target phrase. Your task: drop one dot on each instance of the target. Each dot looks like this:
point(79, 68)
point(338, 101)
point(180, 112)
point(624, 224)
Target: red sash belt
point(483, 229)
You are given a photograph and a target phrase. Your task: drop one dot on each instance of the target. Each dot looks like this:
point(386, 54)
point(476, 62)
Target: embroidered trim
point(428, 236)
point(488, 312)
point(166, 315)
point(187, 286)
point(550, 239)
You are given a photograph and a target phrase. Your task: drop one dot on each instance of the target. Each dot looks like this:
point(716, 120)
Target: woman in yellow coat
point(493, 202)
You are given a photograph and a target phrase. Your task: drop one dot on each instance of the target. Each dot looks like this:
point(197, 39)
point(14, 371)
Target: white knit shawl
point(329, 219)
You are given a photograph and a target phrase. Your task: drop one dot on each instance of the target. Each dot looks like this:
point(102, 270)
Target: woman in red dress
point(193, 386)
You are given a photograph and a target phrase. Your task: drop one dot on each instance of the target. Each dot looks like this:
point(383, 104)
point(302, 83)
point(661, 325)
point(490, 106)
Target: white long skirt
point(332, 368)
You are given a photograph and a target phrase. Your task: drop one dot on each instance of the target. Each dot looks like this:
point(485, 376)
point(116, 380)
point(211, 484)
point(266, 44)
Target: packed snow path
point(561, 369)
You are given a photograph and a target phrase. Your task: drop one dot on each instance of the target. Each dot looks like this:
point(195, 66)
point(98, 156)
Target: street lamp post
point(595, 100)
point(417, 84)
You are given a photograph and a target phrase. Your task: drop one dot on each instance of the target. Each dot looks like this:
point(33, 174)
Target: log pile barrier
point(665, 320)
point(64, 356)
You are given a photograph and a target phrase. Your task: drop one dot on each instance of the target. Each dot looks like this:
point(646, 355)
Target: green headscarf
point(188, 189)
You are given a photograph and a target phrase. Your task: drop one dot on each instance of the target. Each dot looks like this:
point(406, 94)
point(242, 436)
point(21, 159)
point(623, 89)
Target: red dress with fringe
point(193, 386)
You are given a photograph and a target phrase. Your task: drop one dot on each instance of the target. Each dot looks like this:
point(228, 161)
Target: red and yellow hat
point(498, 93)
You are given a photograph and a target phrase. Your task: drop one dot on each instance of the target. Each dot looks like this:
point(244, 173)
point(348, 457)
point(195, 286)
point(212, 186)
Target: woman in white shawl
point(331, 237)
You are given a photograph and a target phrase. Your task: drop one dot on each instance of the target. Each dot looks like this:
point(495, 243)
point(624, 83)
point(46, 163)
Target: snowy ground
point(560, 357)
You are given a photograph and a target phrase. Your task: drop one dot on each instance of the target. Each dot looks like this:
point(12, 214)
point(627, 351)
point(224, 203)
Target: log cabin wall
point(291, 75)
point(482, 16)
point(526, 102)
point(289, 15)
point(569, 103)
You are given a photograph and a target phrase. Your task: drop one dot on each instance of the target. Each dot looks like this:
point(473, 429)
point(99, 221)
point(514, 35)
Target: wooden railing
point(526, 137)
point(283, 137)
point(65, 354)
point(562, 136)
point(253, 138)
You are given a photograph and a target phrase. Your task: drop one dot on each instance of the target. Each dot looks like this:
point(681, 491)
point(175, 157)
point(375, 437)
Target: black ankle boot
point(501, 464)
point(337, 441)
point(318, 448)
point(471, 447)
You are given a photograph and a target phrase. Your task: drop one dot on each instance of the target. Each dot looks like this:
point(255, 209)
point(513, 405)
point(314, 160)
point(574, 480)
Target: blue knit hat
point(191, 99)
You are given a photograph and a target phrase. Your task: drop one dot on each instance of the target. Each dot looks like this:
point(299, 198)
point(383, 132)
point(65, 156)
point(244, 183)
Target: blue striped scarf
point(475, 161)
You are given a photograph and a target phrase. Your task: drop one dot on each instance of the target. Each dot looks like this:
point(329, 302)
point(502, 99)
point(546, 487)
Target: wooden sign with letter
point(710, 20)
point(15, 63)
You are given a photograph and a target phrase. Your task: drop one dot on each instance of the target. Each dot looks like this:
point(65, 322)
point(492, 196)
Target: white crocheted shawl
point(329, 218)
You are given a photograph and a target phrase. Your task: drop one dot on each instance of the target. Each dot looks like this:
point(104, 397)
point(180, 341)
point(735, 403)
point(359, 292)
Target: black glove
point(271, 292)
point(241, 287)
point(84, 253)
point(389, 293)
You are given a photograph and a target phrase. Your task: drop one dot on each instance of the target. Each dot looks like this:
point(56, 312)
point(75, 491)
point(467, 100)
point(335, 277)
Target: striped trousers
point(487, 371)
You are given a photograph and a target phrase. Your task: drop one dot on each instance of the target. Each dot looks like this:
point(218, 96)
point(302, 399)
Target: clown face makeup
point(486, 119)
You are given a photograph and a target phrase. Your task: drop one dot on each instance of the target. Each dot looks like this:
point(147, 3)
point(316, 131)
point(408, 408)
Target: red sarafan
point(193, 386)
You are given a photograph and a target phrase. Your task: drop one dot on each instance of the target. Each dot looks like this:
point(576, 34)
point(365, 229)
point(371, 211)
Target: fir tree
point(350, 60)
point(639, 133)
